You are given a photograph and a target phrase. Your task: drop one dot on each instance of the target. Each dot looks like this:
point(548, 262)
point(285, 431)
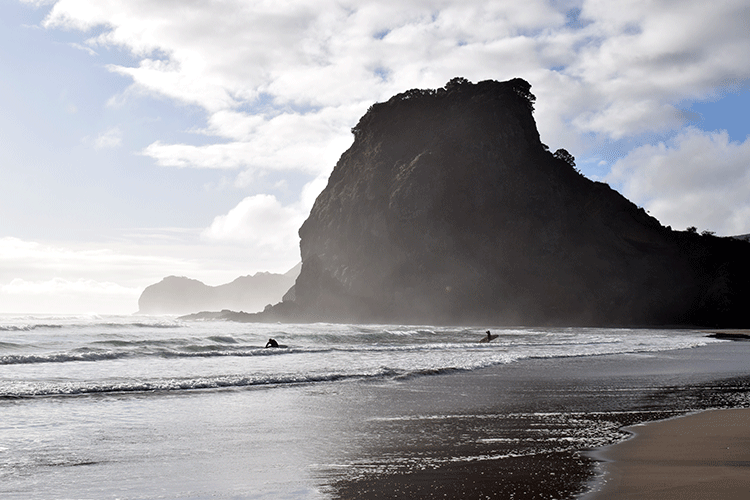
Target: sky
point(147, 138)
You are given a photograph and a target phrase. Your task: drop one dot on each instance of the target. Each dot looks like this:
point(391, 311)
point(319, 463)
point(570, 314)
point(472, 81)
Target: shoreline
point(736, 335)
point(468, 422)
point(695, 456)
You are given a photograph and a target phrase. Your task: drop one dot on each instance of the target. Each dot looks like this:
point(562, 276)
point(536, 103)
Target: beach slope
point(704, 455)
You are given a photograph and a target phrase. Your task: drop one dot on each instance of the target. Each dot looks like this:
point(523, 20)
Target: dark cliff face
point(448, 209)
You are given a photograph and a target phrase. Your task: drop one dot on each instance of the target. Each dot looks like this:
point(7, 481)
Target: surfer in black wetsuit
point(489, 338)
point(272, 343)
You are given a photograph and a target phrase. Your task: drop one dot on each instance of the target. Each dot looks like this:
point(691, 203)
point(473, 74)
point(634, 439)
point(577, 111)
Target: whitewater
point(157, 407)
point(52, 356)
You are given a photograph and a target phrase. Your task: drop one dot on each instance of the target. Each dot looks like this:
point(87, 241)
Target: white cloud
point(626, 67)
point(84, 48)
point(60, 296)
point(39, 278)
point(301, 142)
point(42, 262)
point(266, 226)
point(640, 59)
point(110, 138)
point(61, 286)
point(261, 222)
point(311, 191)
point(696, 179)
point(282, 82)
point(317, 68)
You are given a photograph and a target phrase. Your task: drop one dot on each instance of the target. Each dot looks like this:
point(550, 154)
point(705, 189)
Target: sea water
point(156, 407)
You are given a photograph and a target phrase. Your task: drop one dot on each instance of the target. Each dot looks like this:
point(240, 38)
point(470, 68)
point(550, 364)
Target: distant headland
point(181, 295)
point(448, 209)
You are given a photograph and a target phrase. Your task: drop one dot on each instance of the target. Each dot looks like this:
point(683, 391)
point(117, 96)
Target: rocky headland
point(181, 295)
point(448, 209)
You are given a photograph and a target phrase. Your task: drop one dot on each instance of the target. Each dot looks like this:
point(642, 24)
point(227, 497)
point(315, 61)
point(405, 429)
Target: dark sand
point(705, 455)
point(522, 430)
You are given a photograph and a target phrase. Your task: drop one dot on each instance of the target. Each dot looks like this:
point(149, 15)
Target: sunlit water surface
point(154, 407)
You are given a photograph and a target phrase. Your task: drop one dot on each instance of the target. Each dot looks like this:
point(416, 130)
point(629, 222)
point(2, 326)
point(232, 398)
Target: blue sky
point(728, 112)
point(143, 139)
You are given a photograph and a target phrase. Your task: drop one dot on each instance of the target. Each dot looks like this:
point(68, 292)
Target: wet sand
point(704, 455)
point(523, 430)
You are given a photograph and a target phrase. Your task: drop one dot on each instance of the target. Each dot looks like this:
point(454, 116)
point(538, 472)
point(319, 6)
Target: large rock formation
point(447, 208)
point(181, 295)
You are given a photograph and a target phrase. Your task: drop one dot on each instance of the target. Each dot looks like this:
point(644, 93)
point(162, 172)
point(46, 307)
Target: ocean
point(136, 407)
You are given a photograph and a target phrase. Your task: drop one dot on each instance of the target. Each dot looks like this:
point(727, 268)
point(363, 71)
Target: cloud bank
point(278, 86)
point(705, 172)
point(281, 83)
point(43, 278)
point(61, 296)
point(59, 279)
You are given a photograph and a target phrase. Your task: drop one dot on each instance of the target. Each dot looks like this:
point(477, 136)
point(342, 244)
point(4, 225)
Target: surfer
point(272, 343)
point(488, 338)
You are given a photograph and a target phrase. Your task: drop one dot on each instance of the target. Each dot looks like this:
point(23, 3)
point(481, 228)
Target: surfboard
point(486, 340)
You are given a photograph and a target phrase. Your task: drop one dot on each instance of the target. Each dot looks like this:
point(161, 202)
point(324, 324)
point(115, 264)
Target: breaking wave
point(181, 385)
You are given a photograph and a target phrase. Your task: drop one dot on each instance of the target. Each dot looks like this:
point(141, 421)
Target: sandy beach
point(704, 455)
point(579, 404)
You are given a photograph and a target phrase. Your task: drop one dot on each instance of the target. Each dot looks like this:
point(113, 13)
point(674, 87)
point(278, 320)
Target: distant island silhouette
point(181, 295)
point(448, 209)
